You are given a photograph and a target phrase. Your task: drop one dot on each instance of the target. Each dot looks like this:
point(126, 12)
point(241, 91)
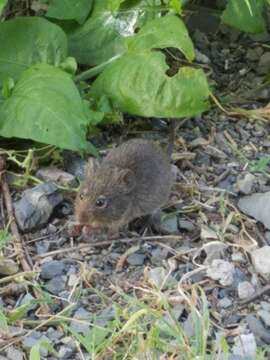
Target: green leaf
point(29, 40)
point(165, 32)
point(245, 15)
point(3, 320)
point(3, 3)
point(18, 313)
point(138, 84)
point(102, 35)
point(45, 106)
point(70, 10)
point(35, 350)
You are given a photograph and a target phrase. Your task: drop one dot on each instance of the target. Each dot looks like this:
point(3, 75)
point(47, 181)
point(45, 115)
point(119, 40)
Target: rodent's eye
point(101, 202)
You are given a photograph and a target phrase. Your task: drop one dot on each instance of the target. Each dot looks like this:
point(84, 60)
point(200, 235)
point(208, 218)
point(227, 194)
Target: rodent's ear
point(127, 179)
point(91, 167)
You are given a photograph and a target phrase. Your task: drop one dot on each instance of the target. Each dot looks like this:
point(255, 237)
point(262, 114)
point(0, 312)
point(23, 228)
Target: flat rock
point(258, 206)
point(265, 317)
point(14, 354)
point(264, 63)
point(221, 270)
point(55, 285)
point(36, 206)
point(245, 183)
point(56, 175)
point(82, 325)
point(261, 261)
point(245, 290)
point(257, 328)
point(245, 345)
point(136, 259)
point(51, 269)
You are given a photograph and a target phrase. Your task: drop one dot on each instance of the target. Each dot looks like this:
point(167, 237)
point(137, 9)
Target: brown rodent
point(133, 180)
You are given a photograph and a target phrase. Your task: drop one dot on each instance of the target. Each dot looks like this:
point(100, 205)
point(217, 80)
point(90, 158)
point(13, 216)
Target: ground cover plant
point(77, 77)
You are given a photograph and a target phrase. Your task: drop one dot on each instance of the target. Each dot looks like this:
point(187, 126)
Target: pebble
point(169, 225)
point(65, 352)
point(245, 290)
point(207, 233)
point(29, 300)
point(258, 206)
point(51, 269)
point(55, 285)
point(136, 259)
point(257, 328)
point(221, 270)
point(8, 267)
point(83, 326)
point(245, 345)
point(186, 225)
point(14, 354)
point(214, 250)
point(245, 183)
point(264, 63)
point(237, 256)
point(261, 261)
point(265, 305)
point(265, 317)
point(159, 278)
point(36, 206)
point(225, 303)
point(29, 341)
point(74, 164)
point(57, 175)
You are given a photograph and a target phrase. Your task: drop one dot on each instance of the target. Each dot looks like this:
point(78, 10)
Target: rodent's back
point(152, 170)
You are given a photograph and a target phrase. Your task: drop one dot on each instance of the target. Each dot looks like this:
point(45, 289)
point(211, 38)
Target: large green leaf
point(46, 106)
point(165, 32)
point(70, 10)
point(25, 41)
point(3, 3)
point(102, 36)
point(138, 84)
point(245, 15)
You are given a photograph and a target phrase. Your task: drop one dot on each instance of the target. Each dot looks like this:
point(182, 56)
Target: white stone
point(222, 271)
point(261, 261)
point(245, 345)
point(245, 290)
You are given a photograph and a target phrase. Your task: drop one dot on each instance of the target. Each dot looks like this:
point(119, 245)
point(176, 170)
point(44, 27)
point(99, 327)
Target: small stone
point(214, 250)
point(245, 183)
point(8, 267)
point(81, 326)
point(29, 300)
point(136, 259)
point(14, 354)
point(54, 335)
point(55, 285)
point(261, 261)
point(221, 270)
point(208, 233)
point(257, 328)
point(36, 206)
point(169, 225)
point(264, 63)
point(265, 317)
point(42, 246)
point(237, 256)
point(56, 175)
point(245, 290)
point(265, 305)
point(73, 280)
point(65, 352)
point(258, 206)
point(225, 303)
point(159, 278)
point(186, 225)
point(245, 345)
point(51, 269)
point(202, 58)
point(74, 164)
point(31, 340)
point(267, 236)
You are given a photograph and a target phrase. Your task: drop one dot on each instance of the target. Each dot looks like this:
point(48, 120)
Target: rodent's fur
point(135, 178)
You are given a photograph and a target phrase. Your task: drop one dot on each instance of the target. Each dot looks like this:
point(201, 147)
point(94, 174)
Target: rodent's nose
point(83, 217)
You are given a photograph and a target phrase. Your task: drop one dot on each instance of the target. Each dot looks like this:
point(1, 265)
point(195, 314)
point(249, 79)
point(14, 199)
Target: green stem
point(90, 73)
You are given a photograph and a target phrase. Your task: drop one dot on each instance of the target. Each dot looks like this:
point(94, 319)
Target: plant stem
point(90, 73)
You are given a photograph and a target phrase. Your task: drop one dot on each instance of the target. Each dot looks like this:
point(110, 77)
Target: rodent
point(133, 180)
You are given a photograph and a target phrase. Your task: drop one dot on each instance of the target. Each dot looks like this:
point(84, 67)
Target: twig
point(109, 242)
point(13, 225)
